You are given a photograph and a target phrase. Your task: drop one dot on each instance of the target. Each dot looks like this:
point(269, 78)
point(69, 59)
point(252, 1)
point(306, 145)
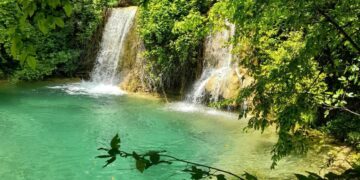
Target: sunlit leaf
point(68, 9)
point(31, 9)
point(53, 3)
point(59, 22)
point(326, 113)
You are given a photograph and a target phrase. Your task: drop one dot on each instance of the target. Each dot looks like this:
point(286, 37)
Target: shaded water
point(47, 133)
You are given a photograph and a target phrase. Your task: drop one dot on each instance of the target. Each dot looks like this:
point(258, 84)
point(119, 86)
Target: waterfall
point(104, 79)
point(218, 68)
point(116, 29)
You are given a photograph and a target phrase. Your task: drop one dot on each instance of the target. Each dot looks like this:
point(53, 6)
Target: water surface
point(47, 133)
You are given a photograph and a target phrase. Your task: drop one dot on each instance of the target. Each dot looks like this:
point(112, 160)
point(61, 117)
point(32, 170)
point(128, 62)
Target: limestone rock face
point(229, 77)
point(229, 86)
point(131, 68)
point(232, 85)
point(221, 78)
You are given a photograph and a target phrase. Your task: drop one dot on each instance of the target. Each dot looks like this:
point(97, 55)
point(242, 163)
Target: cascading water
point(217, 68)
point(220, 77)
point(104, 77)
point(116, 29)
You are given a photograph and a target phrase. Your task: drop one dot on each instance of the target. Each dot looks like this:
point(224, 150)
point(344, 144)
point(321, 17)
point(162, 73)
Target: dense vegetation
point(45, 38)
point(303, 55)
point(173, 33)
point(305, 59)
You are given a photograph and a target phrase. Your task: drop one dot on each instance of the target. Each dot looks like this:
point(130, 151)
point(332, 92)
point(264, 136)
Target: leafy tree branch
point(340, 29)
point(143, 161)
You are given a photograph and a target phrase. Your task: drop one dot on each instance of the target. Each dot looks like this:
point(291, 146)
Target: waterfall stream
point(116, 29)
point(218, 67)
point(220, 77)
point(104, 78)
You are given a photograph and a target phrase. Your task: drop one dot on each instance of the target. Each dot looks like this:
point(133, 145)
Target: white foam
point(90, 88)
point(194, 108)
point(218, 68)
point(112, 43)
point(104, 77)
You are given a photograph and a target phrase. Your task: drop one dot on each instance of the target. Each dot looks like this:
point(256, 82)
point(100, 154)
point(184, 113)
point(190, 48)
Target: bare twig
point(344, 109)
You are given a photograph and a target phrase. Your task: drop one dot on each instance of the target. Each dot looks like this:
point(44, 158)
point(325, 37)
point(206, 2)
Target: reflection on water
point(45, 133)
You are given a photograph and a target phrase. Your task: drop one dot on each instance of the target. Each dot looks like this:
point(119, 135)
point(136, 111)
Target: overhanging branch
point(340, 29)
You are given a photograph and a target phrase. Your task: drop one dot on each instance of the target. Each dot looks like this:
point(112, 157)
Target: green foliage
point(44, 38)
point(346, 128)
point(223, 104)
point(25, 15)
point(173, 32)
point(303, 56)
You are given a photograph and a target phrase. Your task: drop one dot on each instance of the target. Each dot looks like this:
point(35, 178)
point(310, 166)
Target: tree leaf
point(154, 157)
point(140, 165)
point(31, 9)
point(53, 3)
point(23, 57)
point(103, 156)
point(43, 26)
point(326, 113)
point(50, 22)
point(16, 45)
point(220, 177)
point(59, 22)
point(301, 177)
point(115, 142)
point(23, 23)
point(109, 161)
point(68, 9)
point(114, 151)
point(31, 61)
point(249, 176)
